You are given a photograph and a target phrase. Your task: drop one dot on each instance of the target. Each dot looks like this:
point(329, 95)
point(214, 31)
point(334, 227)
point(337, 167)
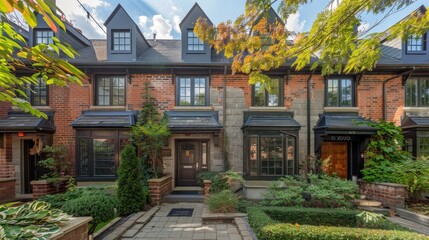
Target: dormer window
point(194, 43)
point(43, 36)
point(121, 40)
point(416, 44)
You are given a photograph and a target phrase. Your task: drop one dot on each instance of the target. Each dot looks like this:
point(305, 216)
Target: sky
point(163, 16)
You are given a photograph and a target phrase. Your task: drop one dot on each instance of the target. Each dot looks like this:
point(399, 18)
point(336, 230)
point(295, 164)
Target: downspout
point(224, 148)
point(309, 114)
point(384, 93)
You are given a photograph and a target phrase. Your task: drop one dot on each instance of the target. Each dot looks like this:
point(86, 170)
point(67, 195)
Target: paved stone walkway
point(163, 227)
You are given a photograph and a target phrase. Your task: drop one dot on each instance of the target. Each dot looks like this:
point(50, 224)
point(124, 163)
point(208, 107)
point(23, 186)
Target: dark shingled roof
point(198, 121)
point(269, 119)
point(343, 123)
point(24, 122)
point(105, 119)
point(414, 122)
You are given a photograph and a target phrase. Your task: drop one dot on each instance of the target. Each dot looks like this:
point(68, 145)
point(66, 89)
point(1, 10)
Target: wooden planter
point(159, 188)
point(389, 194)
point(44, 187)
point(76, 229)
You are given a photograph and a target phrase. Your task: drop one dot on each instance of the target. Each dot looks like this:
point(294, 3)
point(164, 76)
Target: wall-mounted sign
point(339, 138)
point(166, 152)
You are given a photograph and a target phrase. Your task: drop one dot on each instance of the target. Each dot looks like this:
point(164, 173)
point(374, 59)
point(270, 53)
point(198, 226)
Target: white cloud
point(294, 24)
point(162, 27)
point(363, 27)
point(78, 16)
point(334, 4)
point(143, 21)
point(176, 20)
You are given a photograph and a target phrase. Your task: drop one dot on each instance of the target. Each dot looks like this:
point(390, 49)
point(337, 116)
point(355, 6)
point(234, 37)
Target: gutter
point(224, 148)
point(384, 93)
point(309, 114)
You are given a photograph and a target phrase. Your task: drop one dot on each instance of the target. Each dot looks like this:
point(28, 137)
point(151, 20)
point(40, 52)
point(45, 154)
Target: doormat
point(185, 193)
point(181, 212)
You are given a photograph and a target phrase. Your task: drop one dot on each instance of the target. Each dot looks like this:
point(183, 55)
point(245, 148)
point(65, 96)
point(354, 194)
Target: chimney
point(154, 36)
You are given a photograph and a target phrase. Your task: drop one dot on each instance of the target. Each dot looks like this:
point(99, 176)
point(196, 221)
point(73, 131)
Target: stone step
point(183, 198)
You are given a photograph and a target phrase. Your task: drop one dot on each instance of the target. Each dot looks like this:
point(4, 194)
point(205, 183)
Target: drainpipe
point(385, 93)
point(309, 113)
point(224, 115)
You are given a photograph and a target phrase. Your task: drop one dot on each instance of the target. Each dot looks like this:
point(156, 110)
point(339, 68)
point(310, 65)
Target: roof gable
point(195, 10)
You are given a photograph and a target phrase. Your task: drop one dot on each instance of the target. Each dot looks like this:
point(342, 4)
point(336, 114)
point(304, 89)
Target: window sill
point(193, 108)
point(196, 52)
point(118, 108)
point(420, 111)
point(341, 109)
point(40, 108)
point(268, 109)
point(120, 52)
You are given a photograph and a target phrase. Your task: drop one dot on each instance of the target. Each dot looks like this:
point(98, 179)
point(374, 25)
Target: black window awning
point(344, 124)
point(193, 121)
point(25, 122)
point(267, 120)
point(414, 122)
point(105, 119)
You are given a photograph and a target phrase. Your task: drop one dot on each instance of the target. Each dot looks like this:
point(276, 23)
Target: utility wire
point(89, 15)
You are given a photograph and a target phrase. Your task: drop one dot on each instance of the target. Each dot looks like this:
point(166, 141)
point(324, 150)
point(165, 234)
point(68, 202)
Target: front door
point(338, 154)
point(29, 165)
point(188, 160)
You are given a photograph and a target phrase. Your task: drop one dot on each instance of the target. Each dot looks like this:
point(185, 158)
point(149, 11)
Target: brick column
point(159, 188)
point(7, 189)
point(207, 187)
point(44, 187)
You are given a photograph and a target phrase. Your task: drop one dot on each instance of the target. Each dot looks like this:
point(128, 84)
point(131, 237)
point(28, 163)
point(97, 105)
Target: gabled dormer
point(272, 16)
point(125, 41)
point(42, 33)
point(193, 49)
point(412, 50)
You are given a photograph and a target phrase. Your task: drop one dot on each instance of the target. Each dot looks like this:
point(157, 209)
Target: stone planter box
point(412, 216)
point(219, 218)
point(44, 187)
point(389, 194)
point(159, 188)
point(76, 229)
point(7, 189)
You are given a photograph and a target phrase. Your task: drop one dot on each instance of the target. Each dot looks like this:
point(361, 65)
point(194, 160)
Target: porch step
point(173, 198)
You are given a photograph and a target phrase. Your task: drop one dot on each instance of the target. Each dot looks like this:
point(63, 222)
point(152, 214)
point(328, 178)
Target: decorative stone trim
point(76, 229)
point(193, 108)
point(219, 218)
point(44, 187)
point(159, 188)
point(245, 231)
point(389, 194)
point(7, 189)
point(267, 109)
point(207, 187)
point(341, 109)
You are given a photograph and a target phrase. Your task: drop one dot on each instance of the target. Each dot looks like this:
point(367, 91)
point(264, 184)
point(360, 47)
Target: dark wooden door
point(337, 152)
point(29, 166)
point(187, 163)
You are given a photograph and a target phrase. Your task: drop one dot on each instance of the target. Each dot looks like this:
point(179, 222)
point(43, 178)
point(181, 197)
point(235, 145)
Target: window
point(37, 94)
point(121, 40)
point(194, 43)
point(98, 153)
point(339, 92)
point(423, 146)
point(416, 44)
point(417, 92)
point(110, 91)
point(271, 155)
point(43, 36)
point(261, 97)
point(192, 91)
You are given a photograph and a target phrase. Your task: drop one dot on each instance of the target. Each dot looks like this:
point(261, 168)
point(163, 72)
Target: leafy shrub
point(35, 220)
point(414, 174)
point(316, 223)
point(223, 202)
point(323, 191)
point(55, 163)
point(205, 176)
point(384, 149)
point(308, 232)
point(100, 206)
point(243, 205)
point(130, 187)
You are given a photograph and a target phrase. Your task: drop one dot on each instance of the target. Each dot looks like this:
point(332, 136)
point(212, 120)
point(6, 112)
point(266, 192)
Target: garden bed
point(313, 223)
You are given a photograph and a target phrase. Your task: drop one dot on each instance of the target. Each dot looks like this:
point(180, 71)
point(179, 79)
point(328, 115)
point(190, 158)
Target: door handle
point(197, 166)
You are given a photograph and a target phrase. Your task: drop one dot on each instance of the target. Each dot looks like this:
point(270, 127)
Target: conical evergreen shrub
point(130, 186)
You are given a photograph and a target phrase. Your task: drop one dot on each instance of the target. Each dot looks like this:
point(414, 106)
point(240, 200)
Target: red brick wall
point(7, 170)
point(7, 190)
point(389, 194)
point(158, 189)
point(42, 188)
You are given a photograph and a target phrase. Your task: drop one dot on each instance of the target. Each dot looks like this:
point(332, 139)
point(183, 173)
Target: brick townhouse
point(215, 118)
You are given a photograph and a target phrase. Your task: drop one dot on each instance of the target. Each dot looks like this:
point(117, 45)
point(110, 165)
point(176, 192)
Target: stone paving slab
point(411, 225)
point(162, 227)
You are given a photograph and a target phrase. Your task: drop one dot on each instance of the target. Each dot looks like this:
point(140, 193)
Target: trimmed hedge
point(304, 223)
point(313, 216)
point(307, 232)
